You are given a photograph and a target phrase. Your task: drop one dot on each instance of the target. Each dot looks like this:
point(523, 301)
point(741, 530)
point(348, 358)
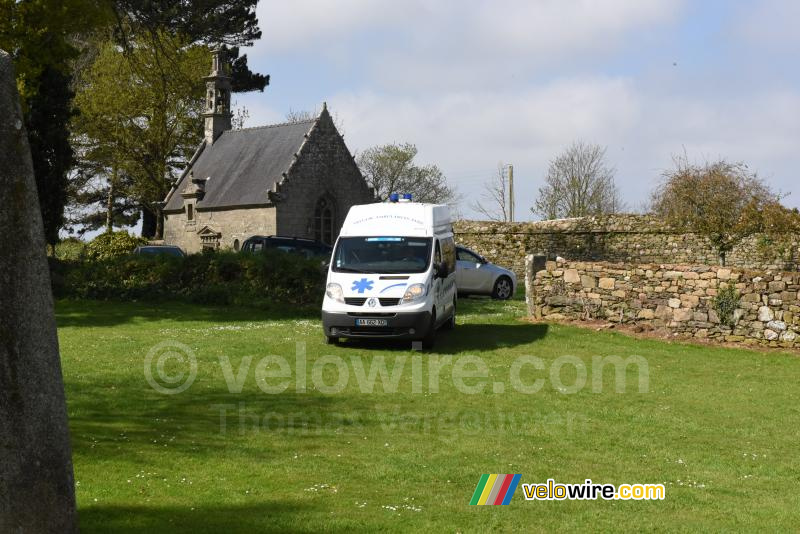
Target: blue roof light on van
point(394, 197)
point(407, 196)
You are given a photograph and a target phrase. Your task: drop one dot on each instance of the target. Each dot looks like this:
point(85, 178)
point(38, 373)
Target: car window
point(449, 253)
point(465, 255)
point(308, 249)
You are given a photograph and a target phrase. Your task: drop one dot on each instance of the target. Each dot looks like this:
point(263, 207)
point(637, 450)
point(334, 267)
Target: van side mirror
point(440, 270)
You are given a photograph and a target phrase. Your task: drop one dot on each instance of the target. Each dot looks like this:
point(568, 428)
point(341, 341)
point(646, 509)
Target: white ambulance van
point(392, 273)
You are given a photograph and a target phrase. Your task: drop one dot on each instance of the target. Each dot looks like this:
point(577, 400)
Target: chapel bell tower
point(217, 112)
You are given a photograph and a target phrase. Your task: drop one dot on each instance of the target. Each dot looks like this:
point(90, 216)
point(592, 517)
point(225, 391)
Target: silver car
point(476, 276)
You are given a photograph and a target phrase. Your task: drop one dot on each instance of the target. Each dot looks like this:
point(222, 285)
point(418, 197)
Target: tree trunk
point(159, 224)
point(148, 223)
point(110, 201)
point(36, 480)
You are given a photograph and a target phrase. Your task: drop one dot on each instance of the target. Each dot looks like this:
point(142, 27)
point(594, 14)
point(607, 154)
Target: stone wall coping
point(606, 224)
point(625, 266)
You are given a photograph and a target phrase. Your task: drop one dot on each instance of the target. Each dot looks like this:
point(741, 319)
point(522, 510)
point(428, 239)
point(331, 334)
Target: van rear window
point(382, 254)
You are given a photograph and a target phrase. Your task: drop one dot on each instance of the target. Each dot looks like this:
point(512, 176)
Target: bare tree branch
point(578, 183)
point(494, 204)
point(303, 115)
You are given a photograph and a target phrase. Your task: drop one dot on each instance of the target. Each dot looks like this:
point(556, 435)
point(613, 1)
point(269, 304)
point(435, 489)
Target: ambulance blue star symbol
point(361, 285)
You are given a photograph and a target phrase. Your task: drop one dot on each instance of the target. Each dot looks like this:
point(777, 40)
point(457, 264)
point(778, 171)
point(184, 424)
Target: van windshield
point(382, 255)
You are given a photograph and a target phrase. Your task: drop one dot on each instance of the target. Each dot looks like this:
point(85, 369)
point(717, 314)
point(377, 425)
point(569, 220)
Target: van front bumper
point(409, 325)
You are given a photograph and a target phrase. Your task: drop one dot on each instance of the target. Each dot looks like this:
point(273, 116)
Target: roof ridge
point(276, 125)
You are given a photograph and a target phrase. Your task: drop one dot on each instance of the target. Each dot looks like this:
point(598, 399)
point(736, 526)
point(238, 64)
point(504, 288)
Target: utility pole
point(510, 193)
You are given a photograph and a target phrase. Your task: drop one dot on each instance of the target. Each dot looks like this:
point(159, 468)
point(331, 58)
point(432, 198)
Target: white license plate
point(371, 322)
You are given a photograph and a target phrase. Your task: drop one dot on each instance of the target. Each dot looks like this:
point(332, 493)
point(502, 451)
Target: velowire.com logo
point(495, 489)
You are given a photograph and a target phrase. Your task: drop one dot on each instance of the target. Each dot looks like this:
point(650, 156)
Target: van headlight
point(414, 292)
point(334, 291)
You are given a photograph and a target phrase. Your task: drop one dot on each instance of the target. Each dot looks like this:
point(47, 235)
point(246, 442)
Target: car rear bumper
point(409, 325)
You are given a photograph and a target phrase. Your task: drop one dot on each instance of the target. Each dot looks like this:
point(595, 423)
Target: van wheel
point(451, 322)
point(502, 288)
point(430, 336)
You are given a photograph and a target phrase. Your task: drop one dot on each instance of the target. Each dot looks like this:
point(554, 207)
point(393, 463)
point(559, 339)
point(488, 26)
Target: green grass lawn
point(719, 427)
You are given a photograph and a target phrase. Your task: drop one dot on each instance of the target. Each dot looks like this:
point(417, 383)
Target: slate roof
point(243, 165)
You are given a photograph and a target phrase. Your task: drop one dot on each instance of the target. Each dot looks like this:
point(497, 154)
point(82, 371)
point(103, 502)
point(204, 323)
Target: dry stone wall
point(679, 298)
point(618, 238)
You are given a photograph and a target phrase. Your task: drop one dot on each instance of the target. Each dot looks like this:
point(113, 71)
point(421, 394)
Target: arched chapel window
point(324, 221)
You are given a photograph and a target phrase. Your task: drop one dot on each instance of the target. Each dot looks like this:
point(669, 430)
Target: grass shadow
point(92, 313)
point(465, 338)
point(485, 337)
point(265, 516)
point(204, 423)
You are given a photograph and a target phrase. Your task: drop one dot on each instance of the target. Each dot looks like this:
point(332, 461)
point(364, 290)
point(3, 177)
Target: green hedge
point(218, 278)
point(112, 245)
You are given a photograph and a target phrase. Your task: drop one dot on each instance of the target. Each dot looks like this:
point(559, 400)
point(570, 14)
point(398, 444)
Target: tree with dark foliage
point(228, 23)
point(49, 111)
point(42, 35)
point(161, 24)
point(47, 37)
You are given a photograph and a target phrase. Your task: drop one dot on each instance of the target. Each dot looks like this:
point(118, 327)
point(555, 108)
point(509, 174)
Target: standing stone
point(36, 482)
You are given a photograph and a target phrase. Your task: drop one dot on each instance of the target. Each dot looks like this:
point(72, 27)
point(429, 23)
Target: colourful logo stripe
point(498, 485)
point(479, 490)
point(495, 489)
point(511, 489)
point(503, 489)
point(487, 489)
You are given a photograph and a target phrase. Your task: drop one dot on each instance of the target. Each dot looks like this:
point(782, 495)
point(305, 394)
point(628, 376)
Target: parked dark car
point(298, 245)
point(159, 250)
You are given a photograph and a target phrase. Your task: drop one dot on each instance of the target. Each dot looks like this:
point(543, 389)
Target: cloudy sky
point(476, 83)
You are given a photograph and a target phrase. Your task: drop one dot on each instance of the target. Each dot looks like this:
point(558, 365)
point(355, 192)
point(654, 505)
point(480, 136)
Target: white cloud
point(511, 25)
point(467, 134)
point(306, 24)
point(474, 83)
point(770, 24)
point(415, 45)
point(559, 27)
